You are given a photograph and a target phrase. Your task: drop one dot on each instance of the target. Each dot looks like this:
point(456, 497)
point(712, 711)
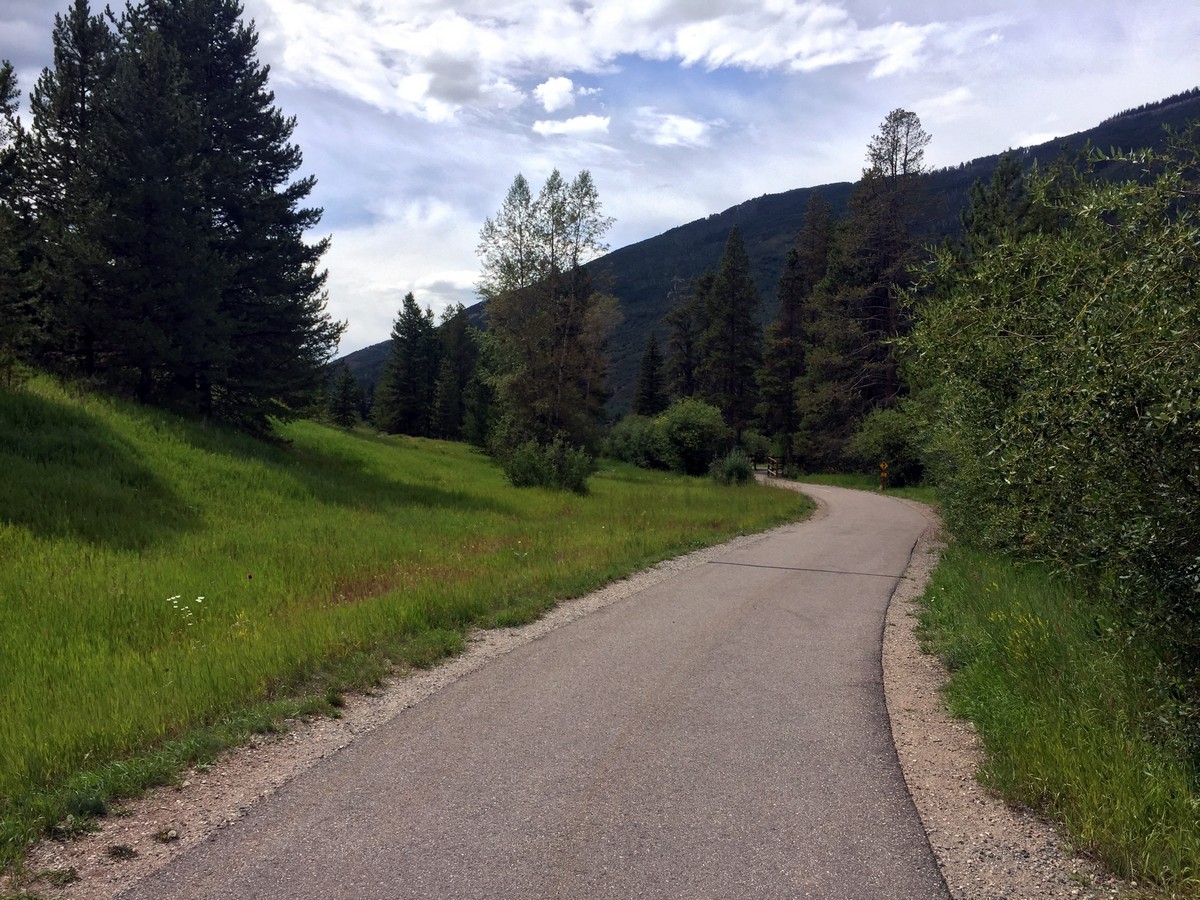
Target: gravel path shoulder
point(985, 849)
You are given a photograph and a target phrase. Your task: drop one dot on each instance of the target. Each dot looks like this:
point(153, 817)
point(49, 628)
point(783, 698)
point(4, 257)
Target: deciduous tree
point(546, 320)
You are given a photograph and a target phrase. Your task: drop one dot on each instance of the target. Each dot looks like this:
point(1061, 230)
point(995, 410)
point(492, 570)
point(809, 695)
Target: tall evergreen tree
point(650, 398)
point(405, 393)
point(685, 325)
point(460, 357)
point(345, 398)
point(62, 163)
point(787, 337)
point(161, 284)
point(997, 211)
point(272, 304)
point(686, 322)
point(851, 359)
point(731, 346)
point(17, 291)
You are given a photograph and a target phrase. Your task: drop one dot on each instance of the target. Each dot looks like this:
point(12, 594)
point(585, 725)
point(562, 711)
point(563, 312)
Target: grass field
point(168, 586)
point(1069, 712)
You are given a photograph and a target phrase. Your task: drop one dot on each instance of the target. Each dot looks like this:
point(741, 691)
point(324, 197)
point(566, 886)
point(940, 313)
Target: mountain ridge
point(642, 275)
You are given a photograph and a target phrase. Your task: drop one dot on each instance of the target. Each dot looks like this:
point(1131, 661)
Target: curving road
point(720, 735)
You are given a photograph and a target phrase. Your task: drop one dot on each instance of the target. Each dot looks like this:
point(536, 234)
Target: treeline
point(531, 387)
point(152, 220)
point(1158, 104)
point(803, 388)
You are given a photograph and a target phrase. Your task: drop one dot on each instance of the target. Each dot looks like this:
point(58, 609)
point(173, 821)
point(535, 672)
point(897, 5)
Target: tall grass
point(1069, 713)
point(158, 575)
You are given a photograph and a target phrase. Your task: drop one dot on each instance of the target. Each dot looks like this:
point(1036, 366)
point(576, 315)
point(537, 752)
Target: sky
point(416, 115)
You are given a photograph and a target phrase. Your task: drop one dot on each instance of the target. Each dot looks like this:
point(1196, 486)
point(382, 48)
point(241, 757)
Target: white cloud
point(423, 246)
point(670, 130)
point(574, 125)
point(953, 104)
point(555, 94)
point(436, 59)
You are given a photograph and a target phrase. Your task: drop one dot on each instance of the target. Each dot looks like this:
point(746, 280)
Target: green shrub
point(1066, 365)
point(695, 434)
point(734, 467)
point(555, 465)
point(891, 436)
point(756, 445)
point(638, 440)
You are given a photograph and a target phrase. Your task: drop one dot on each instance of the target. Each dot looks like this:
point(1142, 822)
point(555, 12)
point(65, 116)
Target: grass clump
point(1070, 714)
point(171, 587)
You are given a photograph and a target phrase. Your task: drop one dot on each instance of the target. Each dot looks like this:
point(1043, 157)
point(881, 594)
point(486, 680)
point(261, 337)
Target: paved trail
point(720, 735)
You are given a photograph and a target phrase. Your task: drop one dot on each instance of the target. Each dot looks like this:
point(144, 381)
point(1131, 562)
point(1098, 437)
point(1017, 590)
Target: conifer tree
point(345, 398)
point(731, 346)
point(405, 393)
point(460, 356)
point(787, 337)
point(61, 170)
point(161, 284)
point(277, 335)
point(851, 366)
point(686, 323)
point(650, 399)
point(997, 211)
point(17, 291)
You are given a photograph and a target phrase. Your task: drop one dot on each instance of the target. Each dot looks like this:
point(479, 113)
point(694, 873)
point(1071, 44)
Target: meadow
point(167, 586)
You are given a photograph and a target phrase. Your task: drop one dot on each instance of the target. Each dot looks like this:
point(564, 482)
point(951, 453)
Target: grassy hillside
point(159, 575)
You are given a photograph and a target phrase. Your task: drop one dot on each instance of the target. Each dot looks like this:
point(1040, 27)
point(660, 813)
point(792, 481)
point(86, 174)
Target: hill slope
point(642, 275)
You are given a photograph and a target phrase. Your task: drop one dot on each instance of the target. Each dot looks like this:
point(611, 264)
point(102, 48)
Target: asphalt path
point(721, 734)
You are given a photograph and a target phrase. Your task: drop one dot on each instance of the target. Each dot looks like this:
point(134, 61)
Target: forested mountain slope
point(643, 275)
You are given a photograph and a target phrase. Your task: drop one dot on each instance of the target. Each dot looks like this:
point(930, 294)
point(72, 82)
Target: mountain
point(643, 275)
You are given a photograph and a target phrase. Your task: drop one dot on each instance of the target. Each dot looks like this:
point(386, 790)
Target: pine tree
point(276, 334)
point(161, 286)
point(345, 398)
point(62, 161)
point(460, 357)
point(998, 210)
point(686, 323)
point(731, 346)
point(650, 399)
point(18, 309)
point(787, 337)
point(405, 393)
point(858, 310)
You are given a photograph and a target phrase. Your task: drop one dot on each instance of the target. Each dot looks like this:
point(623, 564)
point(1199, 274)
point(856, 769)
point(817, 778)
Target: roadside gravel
point(984, 849)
